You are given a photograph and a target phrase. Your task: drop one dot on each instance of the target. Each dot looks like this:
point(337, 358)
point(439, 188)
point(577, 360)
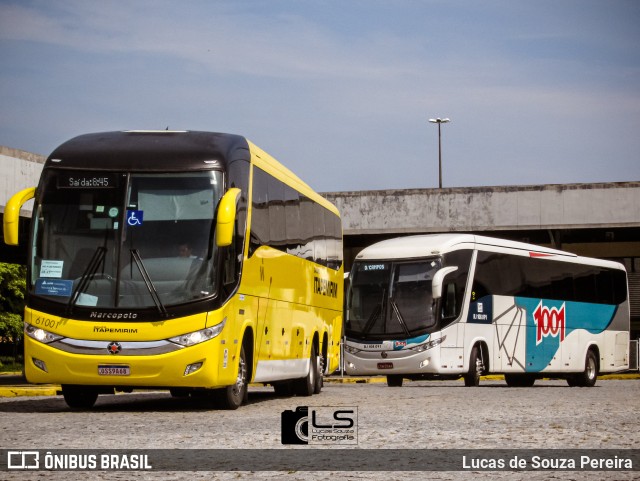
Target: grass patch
point(11, 364)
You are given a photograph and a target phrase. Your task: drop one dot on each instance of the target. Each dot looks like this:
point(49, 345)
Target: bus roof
point(267, 163)
point(428, 245)
point(158, 150)
point(169, 150)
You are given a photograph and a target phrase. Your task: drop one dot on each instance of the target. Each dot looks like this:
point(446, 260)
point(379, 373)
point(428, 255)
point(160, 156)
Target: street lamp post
point(439, 121)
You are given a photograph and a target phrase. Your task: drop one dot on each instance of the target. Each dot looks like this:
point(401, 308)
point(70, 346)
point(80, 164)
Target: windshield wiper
point(135, 254)
point(87, 276)
point(374, 315)
point(396, 309)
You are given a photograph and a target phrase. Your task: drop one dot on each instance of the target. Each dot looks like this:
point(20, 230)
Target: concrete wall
point(432, 210)
point(18, 170)
point(489, 208)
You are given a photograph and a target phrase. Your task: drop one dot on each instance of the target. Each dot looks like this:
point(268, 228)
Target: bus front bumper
point(372, 363)
point(209, 364)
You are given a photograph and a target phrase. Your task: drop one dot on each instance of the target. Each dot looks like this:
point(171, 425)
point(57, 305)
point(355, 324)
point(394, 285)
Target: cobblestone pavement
point(423, 415)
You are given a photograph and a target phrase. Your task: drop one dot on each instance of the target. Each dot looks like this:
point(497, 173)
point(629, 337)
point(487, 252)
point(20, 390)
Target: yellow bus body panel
point(292, 304)
point(153, 370)
point(283, 301)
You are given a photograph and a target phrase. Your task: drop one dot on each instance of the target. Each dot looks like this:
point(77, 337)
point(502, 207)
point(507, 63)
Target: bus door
point(263, 349)
point(452, 349)
point(452, 307)
point(274, 332)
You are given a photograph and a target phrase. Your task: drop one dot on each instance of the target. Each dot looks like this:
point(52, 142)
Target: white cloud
point(358, 85)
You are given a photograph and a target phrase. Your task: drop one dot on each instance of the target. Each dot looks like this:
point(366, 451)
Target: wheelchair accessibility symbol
point(134, 217)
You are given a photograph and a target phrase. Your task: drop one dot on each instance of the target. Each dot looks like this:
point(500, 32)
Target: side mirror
point(12, 215)
point(226, 217)
point(436, 284)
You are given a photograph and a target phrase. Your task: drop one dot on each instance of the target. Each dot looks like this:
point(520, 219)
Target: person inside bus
point(185, 250)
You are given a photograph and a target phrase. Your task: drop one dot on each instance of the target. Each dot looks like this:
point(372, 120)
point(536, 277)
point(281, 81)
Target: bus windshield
point(390, 300)
point(111, 240)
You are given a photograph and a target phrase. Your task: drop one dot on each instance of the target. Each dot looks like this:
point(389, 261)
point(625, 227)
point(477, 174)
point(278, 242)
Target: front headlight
point(428, 345)
point(351, 350)
point(196, 337)
point(40, 334)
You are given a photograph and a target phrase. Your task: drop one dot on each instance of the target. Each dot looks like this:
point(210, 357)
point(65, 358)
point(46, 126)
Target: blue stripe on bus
point(548, 323)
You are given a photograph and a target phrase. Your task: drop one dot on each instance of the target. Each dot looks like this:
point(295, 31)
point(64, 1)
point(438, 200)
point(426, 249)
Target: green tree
point(12, 288)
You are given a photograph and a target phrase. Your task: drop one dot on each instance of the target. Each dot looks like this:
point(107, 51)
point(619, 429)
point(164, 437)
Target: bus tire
point(232, 397)
point(588, 377)
point(394, 380)
point(476, 367)
point(306, 386)
point(519, 380)
point(79, 397)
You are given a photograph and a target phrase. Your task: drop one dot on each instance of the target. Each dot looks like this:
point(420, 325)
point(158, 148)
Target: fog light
point(191, 368)
point(424, 363)
point(352, 365)
point(40, 364)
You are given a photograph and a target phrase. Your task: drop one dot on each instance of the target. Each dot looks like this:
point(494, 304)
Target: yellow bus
point(190, 261)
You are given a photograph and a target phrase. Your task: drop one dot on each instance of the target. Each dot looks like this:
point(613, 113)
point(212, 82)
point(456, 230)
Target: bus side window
point(229, 264)
point(449, 304)
point(231, 260)
point(478, 291)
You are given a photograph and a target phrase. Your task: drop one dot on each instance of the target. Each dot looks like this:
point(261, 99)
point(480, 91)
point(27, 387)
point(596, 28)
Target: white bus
point(459, 305)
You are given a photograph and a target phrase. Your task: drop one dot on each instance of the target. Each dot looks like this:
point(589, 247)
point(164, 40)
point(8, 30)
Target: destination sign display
point(87, 180)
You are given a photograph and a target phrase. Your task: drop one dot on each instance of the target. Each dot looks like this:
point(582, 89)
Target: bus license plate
point(385, 365)
point(114, 371)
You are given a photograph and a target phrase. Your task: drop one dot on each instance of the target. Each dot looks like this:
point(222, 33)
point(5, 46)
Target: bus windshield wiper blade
point(87, 276)
point(135, 254)
point(374, 315)
point(396, 309)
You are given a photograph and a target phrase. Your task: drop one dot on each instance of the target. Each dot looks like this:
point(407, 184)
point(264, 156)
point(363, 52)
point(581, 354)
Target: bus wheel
point(79, 397)
point(306, 386)
point(394, 380)
point(476, 367)
point(519, 380)
point(588, 377)
point(232, 397)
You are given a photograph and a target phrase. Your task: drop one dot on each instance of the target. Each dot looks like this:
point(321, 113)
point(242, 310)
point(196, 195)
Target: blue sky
point(538, 92)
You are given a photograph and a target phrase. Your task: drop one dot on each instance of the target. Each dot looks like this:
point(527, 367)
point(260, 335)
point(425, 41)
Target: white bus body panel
point(514, 341)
